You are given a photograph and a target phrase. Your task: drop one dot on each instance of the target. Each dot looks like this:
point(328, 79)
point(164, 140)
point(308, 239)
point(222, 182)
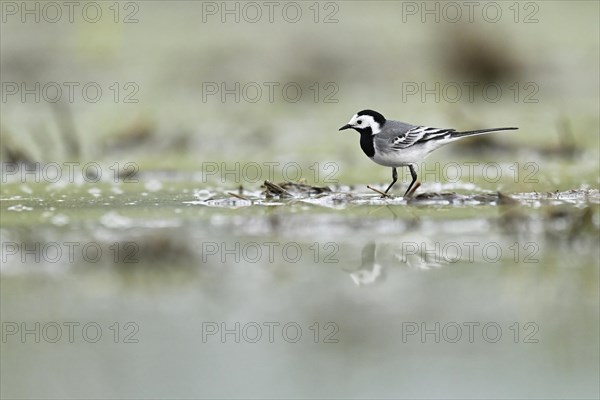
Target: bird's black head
point(366, 121)
point(380, 119)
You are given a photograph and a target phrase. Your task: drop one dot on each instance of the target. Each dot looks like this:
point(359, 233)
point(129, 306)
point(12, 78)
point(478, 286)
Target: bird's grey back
point(392, 129)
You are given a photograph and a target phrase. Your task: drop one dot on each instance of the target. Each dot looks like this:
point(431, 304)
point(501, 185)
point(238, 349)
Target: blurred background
point(158, 76)
point(162, 89)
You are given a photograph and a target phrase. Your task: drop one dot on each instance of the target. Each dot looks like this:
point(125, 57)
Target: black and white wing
point(419, 134)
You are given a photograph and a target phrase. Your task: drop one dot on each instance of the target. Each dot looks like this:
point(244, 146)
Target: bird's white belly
point(399, 158)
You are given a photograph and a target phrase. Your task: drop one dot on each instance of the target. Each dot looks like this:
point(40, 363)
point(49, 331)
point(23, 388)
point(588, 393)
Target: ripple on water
point(96, 192)
point(60, 220)
point(19, 208)
point(113, 220)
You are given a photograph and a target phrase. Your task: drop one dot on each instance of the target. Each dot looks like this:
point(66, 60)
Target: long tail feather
point(479, 132)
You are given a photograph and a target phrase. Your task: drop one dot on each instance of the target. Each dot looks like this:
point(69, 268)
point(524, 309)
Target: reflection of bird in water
point(369, 270)
point(416, 253)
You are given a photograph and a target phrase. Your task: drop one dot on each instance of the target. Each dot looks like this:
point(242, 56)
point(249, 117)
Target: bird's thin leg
point(414, 179)
point(394, 179)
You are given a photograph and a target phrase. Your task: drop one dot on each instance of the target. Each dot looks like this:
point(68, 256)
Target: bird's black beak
point(347, 126)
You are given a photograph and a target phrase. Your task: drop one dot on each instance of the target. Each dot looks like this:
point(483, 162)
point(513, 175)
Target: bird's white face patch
point(365, 121)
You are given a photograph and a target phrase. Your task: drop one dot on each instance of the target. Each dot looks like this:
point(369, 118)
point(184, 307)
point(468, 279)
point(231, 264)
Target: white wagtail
point(398, 144)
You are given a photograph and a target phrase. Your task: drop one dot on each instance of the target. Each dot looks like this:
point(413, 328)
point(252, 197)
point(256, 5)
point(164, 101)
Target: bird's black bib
point(366, 142)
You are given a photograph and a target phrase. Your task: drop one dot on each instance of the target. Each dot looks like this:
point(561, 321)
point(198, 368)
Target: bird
point(398, 144)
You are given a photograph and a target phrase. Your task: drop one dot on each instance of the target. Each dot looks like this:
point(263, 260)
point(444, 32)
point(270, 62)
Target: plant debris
point(291, 189)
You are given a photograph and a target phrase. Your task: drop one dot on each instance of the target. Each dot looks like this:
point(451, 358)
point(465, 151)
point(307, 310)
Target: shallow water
point(333, 294)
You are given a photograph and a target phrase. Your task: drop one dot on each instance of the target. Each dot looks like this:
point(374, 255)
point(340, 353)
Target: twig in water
point(239, 196)
point(276, 189)
point(380, 192)
point(506, 200)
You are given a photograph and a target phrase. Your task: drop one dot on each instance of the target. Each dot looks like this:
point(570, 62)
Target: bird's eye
point(359, 122)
